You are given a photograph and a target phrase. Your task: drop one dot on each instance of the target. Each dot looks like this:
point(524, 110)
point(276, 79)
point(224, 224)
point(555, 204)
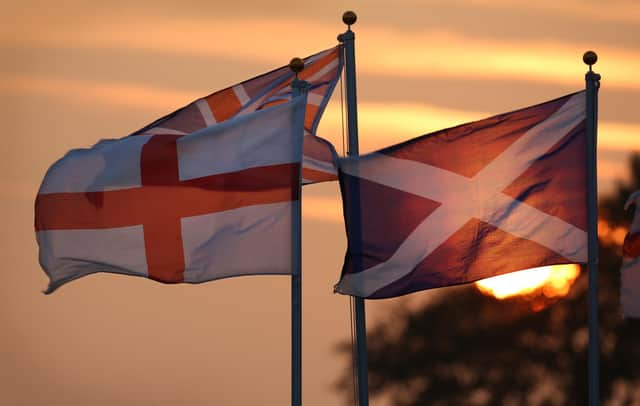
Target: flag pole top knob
point(590, 58)
point(349, 17)
point(296, 65)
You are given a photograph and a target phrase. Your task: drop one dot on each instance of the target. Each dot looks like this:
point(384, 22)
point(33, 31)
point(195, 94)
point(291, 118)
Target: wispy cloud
point(322, 208)
point(113, 94)
point(619, 136)
point(453, 55)
point(380, 51)
point(615, 11)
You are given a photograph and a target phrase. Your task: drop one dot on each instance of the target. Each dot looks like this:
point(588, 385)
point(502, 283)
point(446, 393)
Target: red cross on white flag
point(177, 208)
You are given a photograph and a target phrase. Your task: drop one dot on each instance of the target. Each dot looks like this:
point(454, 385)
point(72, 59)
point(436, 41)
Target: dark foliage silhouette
point(470, 349)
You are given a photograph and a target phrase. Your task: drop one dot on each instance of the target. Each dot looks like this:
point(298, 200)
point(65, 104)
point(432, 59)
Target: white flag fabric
point(630, 285)
point(219, 202)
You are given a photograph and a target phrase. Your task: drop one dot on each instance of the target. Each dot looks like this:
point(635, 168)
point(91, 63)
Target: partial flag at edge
point(630, 271)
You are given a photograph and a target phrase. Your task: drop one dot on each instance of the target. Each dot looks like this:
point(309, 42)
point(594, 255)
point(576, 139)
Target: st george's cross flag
point(630, 272)
point(216, 203)
point(466, 203)
point(322, 71)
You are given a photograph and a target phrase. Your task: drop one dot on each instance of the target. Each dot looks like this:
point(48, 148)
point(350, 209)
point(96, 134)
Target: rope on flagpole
point(342, 112)
point(347, 38)
point(352, 325)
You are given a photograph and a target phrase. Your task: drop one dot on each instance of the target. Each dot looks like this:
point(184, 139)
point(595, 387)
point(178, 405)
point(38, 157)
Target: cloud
point(619, 136)
point(107, 93)
point(383, 51)
point(451, 55)
point(328, 209)
point(615, 11)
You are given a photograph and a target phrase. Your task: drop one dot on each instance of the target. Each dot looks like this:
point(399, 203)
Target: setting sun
point(550, 281)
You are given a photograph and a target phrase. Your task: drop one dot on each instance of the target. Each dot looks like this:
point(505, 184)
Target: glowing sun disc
point(552, 281)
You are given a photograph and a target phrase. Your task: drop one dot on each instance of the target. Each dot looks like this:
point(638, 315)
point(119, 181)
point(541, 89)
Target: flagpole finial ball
point(296, 65)
point(590, 58)
point(349, 17)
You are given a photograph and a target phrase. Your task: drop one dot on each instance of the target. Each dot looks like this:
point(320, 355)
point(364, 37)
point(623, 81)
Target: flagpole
point(349, 18)
point(298, 88)
point(592, 80)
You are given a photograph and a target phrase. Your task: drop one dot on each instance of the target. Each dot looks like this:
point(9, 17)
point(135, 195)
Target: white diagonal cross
point(465, 198)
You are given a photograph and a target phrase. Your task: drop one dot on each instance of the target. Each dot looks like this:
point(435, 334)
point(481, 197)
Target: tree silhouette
point(470, 349)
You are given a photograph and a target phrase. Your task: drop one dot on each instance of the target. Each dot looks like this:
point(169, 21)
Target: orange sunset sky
point(73, 72)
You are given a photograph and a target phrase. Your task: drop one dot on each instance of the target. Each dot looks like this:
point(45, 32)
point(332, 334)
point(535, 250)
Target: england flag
point(466, 203)
point(221, 201)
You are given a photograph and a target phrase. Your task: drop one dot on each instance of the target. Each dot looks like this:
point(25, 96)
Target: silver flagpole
point(298, 88)
point(593, 83)
point(347, 39)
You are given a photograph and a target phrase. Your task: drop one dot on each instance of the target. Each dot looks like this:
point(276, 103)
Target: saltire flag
point(630, 272)
point(322, 71)
point(482, 199)
point(212, 204)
